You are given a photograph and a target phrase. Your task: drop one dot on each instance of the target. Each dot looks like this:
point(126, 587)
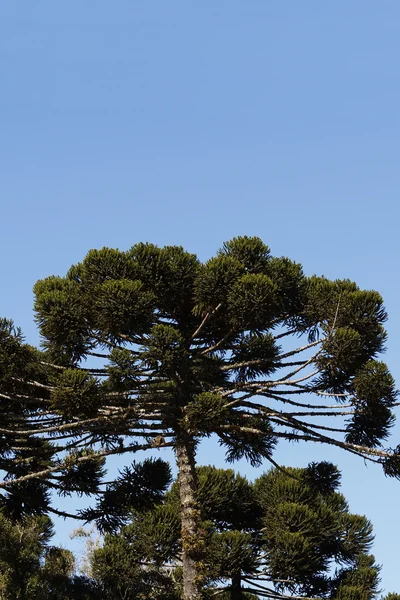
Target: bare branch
point(65, 464)
point(218, 344)
point(204, 321)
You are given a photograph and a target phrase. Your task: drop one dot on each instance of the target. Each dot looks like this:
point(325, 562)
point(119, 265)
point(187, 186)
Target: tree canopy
point(32, 569)
point(151, 348)
point(290, 533)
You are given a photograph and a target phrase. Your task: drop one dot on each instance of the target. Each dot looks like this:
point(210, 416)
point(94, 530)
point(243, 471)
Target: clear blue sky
point(190, 122)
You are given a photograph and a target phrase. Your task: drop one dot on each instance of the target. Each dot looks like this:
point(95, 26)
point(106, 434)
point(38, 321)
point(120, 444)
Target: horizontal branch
point(65, 464)
point(270, 593)
point(218, 344)
point(301, 349)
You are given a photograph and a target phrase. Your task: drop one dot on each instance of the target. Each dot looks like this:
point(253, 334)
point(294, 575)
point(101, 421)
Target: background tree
point(31, 569)
point(59, 581)
point(290, 534)
point(22, 546)
point(122, 574)
point(312, 544)
point(244, 346)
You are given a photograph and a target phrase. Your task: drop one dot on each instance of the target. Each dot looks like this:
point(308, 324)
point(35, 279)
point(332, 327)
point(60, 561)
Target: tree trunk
point(192, 542)
point(236, 588)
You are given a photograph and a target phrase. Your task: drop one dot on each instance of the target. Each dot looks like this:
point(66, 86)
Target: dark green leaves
point(157, 532)
point(249, 437)
point(118, 570)
point(250, 251)
point(370, 426)
point(62, 317)
point(205, 413)
point(391, 463)
point(181, 349)
point(214, 282)
point(306, 525)
point(227, 498)
point(123, 370)
point(253, 302)
point(291, 283)
point(253, 355)
point(356, 536)
point(21, 550)
point(341, 304)
point(178, 271)
point(323, 477)
point(82, 472)
point(17, 360)
point(169, 273)
point(375, 394)
point(373, 383)
point(123, 308)
point(359, 582)
point(139, 487)
point(104, 265)
point(292, 528)
point(77, 394)
point(165, 350)
point(233, 553)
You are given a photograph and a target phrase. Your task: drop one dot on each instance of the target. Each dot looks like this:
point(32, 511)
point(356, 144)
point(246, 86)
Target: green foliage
point(99, 266)
point(123, 370)
point(13, 356)
point(360, 582)
point(214, 282)
point(291, 284)
point(323, 477)
point(76, 394)
point(306, 525)
point(259, 355)
point(30, 497)
point(31, 569)
point(172, 329)
point(370, 425)
point(250, 251)
point(249, 437)
point(227, 499)
point(150, 347)
point(233, 553)
point(62, 317)
point(81, 476)
point(177, 275)
point(252, 302)
point(166, 350)
point(122, 307)
point(138, 487)
point(374, 383)
point(206, 412)
point(116, 567)
point(391, 464)
point(376, 394)
point(156, 534)
point(290, 527)
point(58, 562)
point(21, 548)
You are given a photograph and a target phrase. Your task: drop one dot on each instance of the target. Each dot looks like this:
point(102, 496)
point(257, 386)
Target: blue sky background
point(188, 123)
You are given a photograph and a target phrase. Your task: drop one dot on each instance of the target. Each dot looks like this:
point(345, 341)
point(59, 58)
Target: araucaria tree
point(244, 346)
point(288, 535)
point(31, 568)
